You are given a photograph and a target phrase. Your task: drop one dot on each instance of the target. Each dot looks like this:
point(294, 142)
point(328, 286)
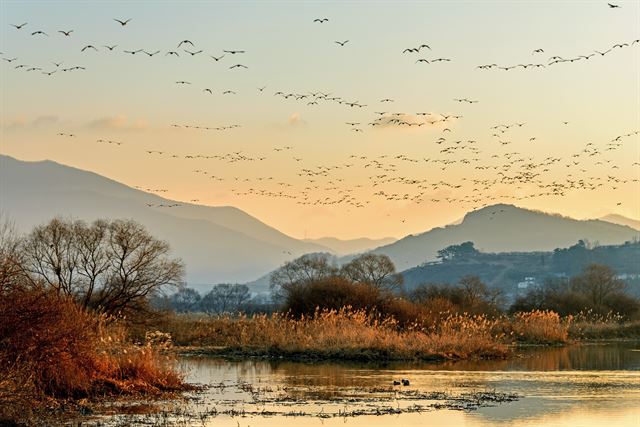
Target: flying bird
point(343, 43)
point(18, 27)
point(88, 47)
point(238, 66)
point(185, 42)
point(123, 23)
point(216, 58)
point(321, 20)
point(192, 53)
point(110, 47)
point(66, 33)
point(35, 33)
point(613, 6)
point(233, 52)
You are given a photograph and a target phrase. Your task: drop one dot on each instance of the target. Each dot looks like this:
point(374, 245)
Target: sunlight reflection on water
point(588, 385)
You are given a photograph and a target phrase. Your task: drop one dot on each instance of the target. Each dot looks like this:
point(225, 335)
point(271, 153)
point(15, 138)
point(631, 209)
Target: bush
point(540, 327)
point(596, 290)
point(50, 347)
point(333, 292)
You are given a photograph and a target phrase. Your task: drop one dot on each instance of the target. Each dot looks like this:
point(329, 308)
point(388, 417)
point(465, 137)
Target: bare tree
point(10, 255)
point(225, 298)
point(598, 282)
point(186, 299)
point(303, 270)
point(50, 255)
point(109, 266)
point(373, 269)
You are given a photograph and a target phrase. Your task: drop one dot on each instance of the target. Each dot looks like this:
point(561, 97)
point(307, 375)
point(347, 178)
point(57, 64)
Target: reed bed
point(52, 351)
point(342, 334)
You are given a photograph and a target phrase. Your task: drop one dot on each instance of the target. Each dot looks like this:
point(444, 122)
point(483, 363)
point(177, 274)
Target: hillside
point(218, 244)
point(622, 220)
point(506, 270)
point(352, 246)
point(505, 228)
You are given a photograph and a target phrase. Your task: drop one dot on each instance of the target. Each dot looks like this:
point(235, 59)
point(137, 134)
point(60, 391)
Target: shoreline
point(366, 355)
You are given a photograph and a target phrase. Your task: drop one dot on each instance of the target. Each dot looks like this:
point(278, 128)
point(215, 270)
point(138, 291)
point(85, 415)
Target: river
point(580, 385)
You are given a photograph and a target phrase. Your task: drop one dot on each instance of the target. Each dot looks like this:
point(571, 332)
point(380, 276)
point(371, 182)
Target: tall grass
point(540, 327)
point(594, 326)
point(50, 348)
point(344, 333)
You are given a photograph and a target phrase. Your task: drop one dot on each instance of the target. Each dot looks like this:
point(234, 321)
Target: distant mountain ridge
point(218, 244)
point(505, 228)
point(225, 244)
point(350, 246)
point(622, 220)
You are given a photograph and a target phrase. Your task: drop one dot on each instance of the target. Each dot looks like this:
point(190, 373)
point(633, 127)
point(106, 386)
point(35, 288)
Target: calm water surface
point(587, 385)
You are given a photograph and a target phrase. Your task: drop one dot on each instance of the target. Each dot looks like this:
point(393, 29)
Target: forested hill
point(505, 270)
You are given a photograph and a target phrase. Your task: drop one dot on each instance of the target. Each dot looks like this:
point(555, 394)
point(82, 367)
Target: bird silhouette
point(122, 23)
point(185, 42)
point(238, 66)
point(216, 58)
point(321, 20)
point(192, 53)
point(110, 47)
point(88, 47)
point(66, 33)
point(18, 27)
point(343, 43)
point(35, 33)
point(233, 52)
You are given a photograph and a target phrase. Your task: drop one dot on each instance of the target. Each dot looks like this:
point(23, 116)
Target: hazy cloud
point(296, 120)
point(119, 122)
point(24, 122)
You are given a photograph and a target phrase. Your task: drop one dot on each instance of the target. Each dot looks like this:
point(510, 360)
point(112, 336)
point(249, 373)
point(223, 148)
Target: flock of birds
point(391, 177)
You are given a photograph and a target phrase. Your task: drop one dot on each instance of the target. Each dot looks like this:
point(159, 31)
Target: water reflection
point(578, 385)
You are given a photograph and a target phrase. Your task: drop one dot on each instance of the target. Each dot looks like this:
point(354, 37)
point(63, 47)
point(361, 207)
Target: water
point(587, 385)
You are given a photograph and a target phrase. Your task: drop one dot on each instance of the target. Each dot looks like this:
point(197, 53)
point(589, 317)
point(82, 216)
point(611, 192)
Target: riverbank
point(360, 336)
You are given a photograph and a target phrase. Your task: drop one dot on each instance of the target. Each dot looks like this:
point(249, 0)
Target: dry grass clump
point(344, 333)
point(53, 350)
point(540, 327)
point(590, 325)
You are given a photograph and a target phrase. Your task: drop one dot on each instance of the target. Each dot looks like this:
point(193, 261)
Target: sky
point(292, 161)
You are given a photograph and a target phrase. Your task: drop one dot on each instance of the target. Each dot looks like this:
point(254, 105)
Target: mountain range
point(225, 244)
point(218, 244)
point(506, 228)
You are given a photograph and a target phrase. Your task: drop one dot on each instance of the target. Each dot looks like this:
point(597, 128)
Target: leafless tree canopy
point(107, 265)
point(225, 298)
point(373, 269)
point(598, 282)
point(10, 255)
point(303, 270)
